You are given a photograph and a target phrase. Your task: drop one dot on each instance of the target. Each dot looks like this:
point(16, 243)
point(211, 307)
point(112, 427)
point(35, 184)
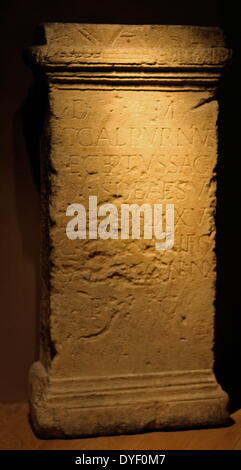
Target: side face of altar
point(126, 326)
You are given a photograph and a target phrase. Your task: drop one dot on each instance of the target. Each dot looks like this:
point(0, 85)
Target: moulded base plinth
point(88, 406)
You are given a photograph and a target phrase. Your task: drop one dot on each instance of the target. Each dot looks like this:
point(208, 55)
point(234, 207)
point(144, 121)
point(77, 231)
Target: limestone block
point(127, 329)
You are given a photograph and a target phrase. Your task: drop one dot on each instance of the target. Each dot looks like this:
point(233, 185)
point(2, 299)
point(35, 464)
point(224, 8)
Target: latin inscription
point(167, 157)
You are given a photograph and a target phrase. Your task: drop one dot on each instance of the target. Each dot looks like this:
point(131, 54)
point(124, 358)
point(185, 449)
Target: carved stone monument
point(127, 329)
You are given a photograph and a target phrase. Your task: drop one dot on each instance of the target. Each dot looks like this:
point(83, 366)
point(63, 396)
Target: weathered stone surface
point(127, 330)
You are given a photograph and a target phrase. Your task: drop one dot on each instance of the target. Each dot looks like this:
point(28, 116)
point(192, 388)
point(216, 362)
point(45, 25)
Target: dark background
point(21, 115)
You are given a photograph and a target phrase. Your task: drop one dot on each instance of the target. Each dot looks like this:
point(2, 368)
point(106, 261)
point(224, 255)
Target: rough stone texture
point(126, 330)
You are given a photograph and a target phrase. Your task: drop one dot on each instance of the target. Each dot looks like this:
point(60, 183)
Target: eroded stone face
point(126, 321)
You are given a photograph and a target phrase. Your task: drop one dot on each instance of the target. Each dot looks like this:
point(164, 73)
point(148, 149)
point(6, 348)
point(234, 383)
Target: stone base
point(124, 404)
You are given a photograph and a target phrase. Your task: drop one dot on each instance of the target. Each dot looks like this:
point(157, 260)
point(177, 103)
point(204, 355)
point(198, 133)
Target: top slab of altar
point(73, 45)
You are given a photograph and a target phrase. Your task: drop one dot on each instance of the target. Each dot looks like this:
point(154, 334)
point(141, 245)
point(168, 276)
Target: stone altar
point(127, 329)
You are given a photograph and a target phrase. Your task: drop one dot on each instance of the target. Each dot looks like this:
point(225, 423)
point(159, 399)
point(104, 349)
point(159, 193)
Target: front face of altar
point(121, 306)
